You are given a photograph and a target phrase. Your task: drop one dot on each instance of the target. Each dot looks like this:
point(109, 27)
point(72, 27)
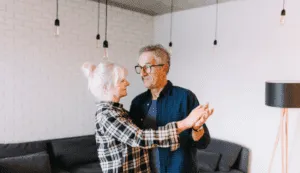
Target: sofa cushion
point(19, 149)
point(31, 163)
point(59, 170)
point(88, 168)
point(205, 160)
point(229, 153)
point(69, 152)
point(6, 170)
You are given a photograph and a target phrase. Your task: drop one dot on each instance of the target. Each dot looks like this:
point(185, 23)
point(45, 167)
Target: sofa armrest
point(243, 160)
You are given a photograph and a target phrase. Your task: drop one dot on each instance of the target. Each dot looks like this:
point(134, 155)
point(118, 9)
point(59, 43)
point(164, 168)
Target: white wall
point(253, 48)
point(43, 93)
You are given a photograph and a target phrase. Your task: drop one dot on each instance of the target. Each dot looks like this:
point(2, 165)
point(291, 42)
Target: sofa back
point(57, 153)
point(69, 152)
point(27, 157)
point(232, 155)
point(19, 149)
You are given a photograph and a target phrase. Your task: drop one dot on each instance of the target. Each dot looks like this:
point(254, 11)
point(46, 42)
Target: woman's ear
point(106, 90)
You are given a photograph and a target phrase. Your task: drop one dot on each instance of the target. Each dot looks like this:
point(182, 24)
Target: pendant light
point(98, 35)
point(282, 14)
point(105, 42)
point(216, 24)
point(56, 22)
point(171, 25)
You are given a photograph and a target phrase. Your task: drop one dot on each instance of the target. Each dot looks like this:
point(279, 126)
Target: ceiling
point(159, 7)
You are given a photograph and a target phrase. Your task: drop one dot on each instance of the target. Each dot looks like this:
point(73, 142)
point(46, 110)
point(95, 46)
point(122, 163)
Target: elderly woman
point(122, 146)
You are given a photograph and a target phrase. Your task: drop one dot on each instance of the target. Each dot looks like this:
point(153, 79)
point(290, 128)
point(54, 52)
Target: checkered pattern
point(122, 146)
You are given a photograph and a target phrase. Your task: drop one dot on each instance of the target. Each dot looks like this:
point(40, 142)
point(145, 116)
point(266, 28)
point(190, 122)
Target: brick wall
point(43, 93)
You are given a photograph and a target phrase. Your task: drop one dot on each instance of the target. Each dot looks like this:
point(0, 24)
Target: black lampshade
point(283, 94)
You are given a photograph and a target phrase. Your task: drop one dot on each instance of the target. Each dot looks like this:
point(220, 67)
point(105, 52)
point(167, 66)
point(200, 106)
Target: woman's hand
point(196, 114)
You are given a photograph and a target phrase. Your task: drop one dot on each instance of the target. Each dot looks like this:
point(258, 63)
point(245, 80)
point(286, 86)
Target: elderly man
point(163, 103)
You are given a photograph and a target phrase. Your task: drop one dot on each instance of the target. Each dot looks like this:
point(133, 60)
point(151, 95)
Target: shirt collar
point(165, 91)
point(167, 88)
point(109, 104)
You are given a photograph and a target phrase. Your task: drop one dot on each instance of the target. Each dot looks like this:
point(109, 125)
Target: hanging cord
point(171, 24)
point(216, 25)
point(98, 16)
point(106, 21)
point(105, 43)
point(56, 9)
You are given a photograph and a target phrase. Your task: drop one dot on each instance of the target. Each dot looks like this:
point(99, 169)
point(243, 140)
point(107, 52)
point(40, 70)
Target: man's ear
point(166, 68)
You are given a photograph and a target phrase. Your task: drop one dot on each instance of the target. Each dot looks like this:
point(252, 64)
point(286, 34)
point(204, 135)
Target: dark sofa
point(221, 157)
point(78, 155)
point(67, 155)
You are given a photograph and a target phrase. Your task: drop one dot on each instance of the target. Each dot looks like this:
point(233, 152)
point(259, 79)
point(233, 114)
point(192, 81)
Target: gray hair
point(160, 53)
point(103, 76)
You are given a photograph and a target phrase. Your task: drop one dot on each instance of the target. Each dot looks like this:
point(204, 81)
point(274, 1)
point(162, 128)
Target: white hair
point(102, 78)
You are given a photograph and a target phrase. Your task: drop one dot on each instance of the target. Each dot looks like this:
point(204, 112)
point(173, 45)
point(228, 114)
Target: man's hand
point(193, 117)
point(206, 115)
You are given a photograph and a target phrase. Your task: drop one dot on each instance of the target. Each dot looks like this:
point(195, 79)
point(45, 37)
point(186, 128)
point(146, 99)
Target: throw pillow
point(75, 151)
point(205, 160)
point(229, 153)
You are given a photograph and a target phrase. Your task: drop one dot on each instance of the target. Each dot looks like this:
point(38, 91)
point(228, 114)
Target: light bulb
point(105, 46)
point(282, 20)
point(105, 53)
point(282, 17)
point(170, 47)
point(56, 30)
point(56, 24)
point(215, 45)
point(98, 43)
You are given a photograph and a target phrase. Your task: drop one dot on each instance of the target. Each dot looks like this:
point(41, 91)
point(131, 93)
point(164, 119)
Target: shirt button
point(142, 119)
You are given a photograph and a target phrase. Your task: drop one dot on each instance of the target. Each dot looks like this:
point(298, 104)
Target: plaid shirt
point(122, 146)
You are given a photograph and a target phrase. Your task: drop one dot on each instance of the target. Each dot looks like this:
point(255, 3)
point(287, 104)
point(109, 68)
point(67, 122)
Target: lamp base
point(282, 135)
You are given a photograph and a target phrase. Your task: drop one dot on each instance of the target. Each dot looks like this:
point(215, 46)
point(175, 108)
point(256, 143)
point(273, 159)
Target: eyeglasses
point(147, 68)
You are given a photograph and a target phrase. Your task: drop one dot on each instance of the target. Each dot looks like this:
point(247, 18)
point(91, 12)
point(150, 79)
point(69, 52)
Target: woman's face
point(120, 90)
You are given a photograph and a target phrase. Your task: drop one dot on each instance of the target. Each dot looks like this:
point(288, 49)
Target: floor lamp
point(282, 94)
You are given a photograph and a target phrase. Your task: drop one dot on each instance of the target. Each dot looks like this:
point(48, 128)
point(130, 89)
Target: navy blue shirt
point(150, 123)
point(173, 104)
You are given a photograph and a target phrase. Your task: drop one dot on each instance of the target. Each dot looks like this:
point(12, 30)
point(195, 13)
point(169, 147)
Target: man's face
point(157, 75)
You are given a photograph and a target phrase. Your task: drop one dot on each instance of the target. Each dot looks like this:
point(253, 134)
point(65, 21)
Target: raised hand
point(203, 118)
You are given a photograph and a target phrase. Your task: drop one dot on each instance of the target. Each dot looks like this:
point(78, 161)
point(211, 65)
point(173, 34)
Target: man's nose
point(143, 73)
